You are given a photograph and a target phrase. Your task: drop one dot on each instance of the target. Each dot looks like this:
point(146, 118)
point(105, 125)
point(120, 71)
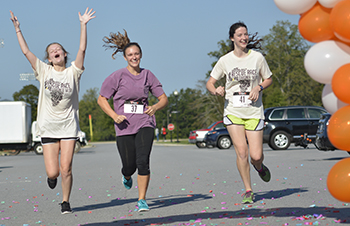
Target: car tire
point(224, 142)
point(280, 140)
point(201, 144)
point(38, 149)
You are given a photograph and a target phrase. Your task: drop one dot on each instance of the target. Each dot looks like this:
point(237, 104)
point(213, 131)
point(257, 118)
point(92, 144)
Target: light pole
point(176, 94)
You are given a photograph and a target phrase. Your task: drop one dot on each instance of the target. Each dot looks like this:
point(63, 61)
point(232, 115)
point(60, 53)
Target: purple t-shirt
point(124, 86)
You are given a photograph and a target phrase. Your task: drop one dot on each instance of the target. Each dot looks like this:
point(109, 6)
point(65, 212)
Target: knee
point(143, 167)
point(66, 171)
point(242, 154)
point(128, 171)
point(53, 175)
point(256, 159)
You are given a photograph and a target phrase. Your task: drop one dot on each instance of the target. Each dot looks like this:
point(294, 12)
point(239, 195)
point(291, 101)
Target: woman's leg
point(255, 140)
point(66, 160)
point(51, 153)
point(126, 149)
point(238, 137)
point(143, 142)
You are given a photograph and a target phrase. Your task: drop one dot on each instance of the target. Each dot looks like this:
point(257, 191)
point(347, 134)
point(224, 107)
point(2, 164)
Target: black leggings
point(135, 151)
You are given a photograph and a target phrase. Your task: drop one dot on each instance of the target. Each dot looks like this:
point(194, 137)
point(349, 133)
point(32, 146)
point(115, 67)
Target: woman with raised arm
point(58, 105)
point(247, 75)
point(133, 117)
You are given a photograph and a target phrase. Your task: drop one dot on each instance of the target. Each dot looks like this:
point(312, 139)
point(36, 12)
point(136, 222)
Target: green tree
point(102, 124)
point(285, 49)
point(28, 94)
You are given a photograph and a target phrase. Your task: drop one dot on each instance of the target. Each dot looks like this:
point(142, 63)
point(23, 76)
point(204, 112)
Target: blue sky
point(175, 36)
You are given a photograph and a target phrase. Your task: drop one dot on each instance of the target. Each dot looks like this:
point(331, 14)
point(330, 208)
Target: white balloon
point(328, 3)
point(330, 101)
point(324, 58)
point(295, 6)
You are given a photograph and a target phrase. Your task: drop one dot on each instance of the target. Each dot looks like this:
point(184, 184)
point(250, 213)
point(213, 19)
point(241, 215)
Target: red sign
point(171, 126)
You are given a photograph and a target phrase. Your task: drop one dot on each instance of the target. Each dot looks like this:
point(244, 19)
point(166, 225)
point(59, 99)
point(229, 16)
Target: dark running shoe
point(264, 173)
point(52, 183)
point(65, 208)
point(248, 197)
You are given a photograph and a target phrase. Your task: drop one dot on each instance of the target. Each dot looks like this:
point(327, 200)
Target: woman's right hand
point(119, 119)
point(14, 21)
point(220, 91)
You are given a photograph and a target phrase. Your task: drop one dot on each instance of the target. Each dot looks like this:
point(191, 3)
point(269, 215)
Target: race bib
point(133, 108)
point(241, 100)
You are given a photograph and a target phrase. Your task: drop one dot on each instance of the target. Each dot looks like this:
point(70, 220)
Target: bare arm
point(211, 87)
point(254, 94)
point(103, 102)
point(22, 42)
point(84, 19)
point(162, 103)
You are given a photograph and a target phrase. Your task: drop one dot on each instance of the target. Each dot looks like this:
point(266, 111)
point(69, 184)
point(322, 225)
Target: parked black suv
point(289, 124)
point(322, 142)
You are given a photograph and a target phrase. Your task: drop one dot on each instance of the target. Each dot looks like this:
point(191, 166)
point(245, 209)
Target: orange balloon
point(341, 83)
point(340, 20)
point(338, 180)
point(314, 24)
point(338, 129)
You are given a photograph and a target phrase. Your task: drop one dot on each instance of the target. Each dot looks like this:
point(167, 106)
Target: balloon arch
point(327, 23)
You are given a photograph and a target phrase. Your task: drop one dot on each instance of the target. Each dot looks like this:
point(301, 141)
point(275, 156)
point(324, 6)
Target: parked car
point(289, 124)
point(197, 136)
point(322, 142)
point(218, 137)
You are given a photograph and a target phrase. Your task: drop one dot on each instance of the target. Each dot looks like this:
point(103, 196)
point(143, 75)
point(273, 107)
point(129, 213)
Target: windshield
point(211, 125)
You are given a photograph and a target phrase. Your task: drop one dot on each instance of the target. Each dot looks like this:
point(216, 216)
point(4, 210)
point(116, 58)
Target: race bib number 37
point(133, 108)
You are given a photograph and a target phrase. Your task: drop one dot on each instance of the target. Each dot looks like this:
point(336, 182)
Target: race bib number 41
point(241, 100)
point(133, 108)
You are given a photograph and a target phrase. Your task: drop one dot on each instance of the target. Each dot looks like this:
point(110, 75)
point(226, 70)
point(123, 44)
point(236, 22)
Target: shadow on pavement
point(5, 167)
point(153, 203)
point(278, 193)
point(297, 214)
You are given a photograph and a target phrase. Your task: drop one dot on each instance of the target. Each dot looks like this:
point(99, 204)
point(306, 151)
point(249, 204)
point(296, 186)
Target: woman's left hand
point(254, 94)
point(151, 110)
point(88, 15)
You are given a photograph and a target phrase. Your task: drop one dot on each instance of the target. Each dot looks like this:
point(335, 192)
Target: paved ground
point(189, 186)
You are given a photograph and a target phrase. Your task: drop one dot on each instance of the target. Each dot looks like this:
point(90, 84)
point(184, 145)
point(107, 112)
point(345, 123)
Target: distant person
point(157, 134)
point(57, 118)
point(133, 117)
point(164, 133)
point(247, 75)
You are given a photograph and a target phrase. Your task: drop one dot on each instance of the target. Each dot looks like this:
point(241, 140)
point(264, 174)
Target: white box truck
point(17, 132)
point(15, 126)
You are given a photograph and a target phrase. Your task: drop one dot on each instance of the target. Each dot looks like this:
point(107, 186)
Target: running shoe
point(264, 173)
point(248, 197)
point(127, 183)
point(52, 183)
point(142, 205)
point(65, 208)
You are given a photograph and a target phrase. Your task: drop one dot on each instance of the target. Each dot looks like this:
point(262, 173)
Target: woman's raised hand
point(87, 16)
point(14, 21)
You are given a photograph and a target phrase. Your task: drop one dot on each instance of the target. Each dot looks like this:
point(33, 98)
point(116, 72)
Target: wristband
point(261, 88)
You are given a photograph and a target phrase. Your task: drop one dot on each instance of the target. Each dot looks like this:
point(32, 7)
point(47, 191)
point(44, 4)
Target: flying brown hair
point(117, 42)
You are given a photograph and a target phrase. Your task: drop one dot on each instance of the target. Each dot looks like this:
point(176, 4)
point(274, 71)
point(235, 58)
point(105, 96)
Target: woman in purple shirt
point(134, 118)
